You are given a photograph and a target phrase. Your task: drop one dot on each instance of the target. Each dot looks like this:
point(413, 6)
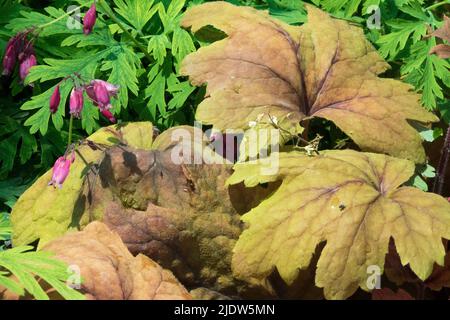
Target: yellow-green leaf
point(352, 201)
point(325, 68)
point(45, 213)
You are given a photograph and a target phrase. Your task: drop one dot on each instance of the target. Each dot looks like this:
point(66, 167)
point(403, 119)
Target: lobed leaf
point(326, 68)
point(44, 213)
point(123, 276)
point(350, 200)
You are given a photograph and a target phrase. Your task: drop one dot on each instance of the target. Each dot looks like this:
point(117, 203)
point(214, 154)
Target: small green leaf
point(25, 265)
point(429, 135)
point(137, 12)
point(157, 46)
point(182, 44)
point(156, 94)
point(14, 139)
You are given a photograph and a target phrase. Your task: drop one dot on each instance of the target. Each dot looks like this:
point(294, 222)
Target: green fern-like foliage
point(27, 267)
point(5, 228)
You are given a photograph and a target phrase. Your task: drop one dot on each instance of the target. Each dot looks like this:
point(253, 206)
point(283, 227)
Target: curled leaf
point(326, 68)
point(97, 251)
point(353, 202)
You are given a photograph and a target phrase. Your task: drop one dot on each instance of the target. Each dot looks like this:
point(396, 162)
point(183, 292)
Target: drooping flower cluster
point(19, 49)
point(99, 92)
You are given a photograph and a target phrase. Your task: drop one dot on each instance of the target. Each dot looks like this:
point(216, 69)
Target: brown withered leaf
point(110, 272)
point(441, 50)
point(175, 211)
point(326, 68)
point(440, 277)
point(389, 294)
point(444, 31)
point(180, 216)
point(401, 275)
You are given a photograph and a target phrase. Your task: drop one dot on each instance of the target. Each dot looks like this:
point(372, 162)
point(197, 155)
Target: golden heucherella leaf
point(44, 213)
point(325, 68)
point(351, 200)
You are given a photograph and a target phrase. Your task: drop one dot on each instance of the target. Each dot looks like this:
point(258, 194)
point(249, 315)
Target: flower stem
point(438, 185)
point(70, 131)
point(113, 17)
point(434, 6)
point(58, 19)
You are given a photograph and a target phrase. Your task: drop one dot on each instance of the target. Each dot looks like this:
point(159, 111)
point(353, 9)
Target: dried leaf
point(110, 272)
point(444, 31)
point(441, 50)
point(179, 215)
point(326, 68)
point(351, 200)
point(440, 277)
point(388, 294)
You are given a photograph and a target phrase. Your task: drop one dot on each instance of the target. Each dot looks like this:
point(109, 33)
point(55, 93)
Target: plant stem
point(434, 6)
point(70, 131)
point(58, 19)
point(113, 17)
point(442, 167)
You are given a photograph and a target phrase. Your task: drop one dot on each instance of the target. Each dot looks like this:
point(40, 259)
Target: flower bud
point(108, 114)
point(89, 19)
point(61, 170)
point(76, 102)
point(9, 61)
point(25, 66)
point(101, 95)
point(55, 100)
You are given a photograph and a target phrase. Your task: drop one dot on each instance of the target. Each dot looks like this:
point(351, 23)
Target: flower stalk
point(438, 185)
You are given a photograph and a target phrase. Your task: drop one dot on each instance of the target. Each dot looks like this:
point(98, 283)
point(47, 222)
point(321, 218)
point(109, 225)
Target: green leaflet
point(5, 227)
point(25, 265)
point(137, 13)
point(157, 46)
point(405, 42)
point(15, 140)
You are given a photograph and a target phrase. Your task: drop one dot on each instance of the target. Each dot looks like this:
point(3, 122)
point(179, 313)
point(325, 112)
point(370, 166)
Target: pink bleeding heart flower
point(55, 100)
point(9, 60)
point(61, 170)
point(89, 19)
point(108, 115)
point(112, 89)
point(76, 102)
point(102, 97)
point(26, 64)
point(91, 93)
